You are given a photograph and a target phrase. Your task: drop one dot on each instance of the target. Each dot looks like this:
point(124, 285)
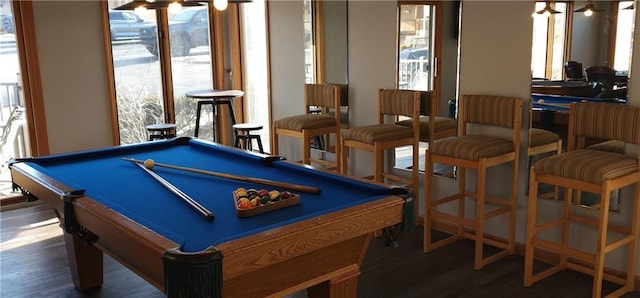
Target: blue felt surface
point(127, 189)
point(542, 101)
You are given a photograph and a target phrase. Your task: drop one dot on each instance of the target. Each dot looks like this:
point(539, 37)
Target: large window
point(14, 132)
point(624, 36)
point(415, 46)
point(150, 80)
point(416, 58)
point(600, 38)
point(549, 42)
point(255, 68)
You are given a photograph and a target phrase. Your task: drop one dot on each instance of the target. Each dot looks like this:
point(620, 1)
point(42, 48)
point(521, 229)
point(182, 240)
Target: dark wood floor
point(33, 264)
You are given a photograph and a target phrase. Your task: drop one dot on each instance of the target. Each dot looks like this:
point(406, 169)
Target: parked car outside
point(7, 24)
point(187, 29)
point(125, 25)
point(414, 53)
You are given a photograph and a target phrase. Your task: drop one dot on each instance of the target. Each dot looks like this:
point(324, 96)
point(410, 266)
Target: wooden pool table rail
point(325, 251)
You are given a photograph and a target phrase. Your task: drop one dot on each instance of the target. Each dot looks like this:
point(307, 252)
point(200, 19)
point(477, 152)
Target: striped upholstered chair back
point(321, 95)
point(607, 121)
point(489, 110)
point(397, 102)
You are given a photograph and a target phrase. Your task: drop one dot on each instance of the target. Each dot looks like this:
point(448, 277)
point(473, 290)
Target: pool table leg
point(85, 262)
point(343, 285)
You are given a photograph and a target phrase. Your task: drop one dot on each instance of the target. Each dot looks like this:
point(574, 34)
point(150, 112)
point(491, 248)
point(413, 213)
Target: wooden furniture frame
point(432, 126)
point(479, 110)
point(593, 171)
point(325, 97)
point(542, 141)
point(378, 138)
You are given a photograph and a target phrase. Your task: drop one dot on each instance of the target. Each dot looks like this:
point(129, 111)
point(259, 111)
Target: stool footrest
point(572, 252)
point(589, 271)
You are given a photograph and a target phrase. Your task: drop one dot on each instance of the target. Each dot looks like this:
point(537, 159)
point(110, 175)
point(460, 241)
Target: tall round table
point(214, 98)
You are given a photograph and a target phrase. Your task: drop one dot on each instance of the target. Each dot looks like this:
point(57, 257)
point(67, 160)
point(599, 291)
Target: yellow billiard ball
point(149, 163)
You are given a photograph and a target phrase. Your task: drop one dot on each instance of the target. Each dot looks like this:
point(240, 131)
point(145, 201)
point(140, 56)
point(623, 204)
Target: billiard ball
point(149, 163)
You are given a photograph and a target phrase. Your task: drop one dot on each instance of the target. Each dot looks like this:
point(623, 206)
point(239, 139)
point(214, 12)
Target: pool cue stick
point(296, 187)
point(195, 205)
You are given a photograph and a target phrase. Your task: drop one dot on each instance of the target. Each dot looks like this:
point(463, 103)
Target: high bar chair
point(476, 152)
point(383, 136)
point(594, 171)
point(312, 124)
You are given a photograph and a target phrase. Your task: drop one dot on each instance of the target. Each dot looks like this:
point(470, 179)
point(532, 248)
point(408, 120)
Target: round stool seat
point(161, 131)
point(243, 132)
point(247, 126)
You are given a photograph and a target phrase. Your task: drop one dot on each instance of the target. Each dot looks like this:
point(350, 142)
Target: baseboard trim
point(540, 255)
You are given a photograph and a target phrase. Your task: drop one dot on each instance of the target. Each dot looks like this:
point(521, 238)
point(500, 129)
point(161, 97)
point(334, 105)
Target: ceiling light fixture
point(220, 4)
point(175, 5)
point(589, 9)
point(547, 10)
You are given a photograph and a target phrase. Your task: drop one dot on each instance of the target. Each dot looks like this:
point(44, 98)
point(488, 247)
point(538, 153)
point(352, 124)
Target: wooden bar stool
point(477, 151)
point(244, 136)
point(161, 131)
point(311, 124)
point(579, 170)
point(386, 135)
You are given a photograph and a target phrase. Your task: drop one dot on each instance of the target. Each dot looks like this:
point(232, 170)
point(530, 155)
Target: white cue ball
point(149, 163)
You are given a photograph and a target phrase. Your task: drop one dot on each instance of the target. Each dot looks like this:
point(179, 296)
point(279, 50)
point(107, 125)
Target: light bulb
point(588, 12)
point(546, 14)
point(220, 4)
point(174, 7)
point(140, 9)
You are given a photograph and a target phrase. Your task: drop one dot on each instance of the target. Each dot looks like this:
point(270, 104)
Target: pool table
point(551, 112)
point(107, 204)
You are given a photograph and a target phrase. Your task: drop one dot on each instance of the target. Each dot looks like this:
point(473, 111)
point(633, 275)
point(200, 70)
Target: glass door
point(254, 69)
point(416, 61)
point(14, 132)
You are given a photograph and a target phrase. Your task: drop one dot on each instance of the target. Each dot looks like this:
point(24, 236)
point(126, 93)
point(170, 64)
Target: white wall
point(372, 55)
point(73, 69)
point(287, 67)
point(491, 65)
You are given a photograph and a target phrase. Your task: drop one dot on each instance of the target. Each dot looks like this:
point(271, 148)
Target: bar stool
point(161, 131)
point(310, 124)
point(215, 98)
point(385, 136)
point(601, 172)
point(243, 132)
point(479, 151)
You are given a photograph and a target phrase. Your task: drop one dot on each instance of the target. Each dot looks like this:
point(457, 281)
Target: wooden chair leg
point(275, 142)
point(598, 273)
point(635, 228)
point(306, 149)
point(415, 182)
point(428, 180)
point(511, 247)
point(379, 164)
point(565, 233)
point(531, 227)
point(343, 158)
point(461, 197)
point(338, 150)
point(479, 220)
